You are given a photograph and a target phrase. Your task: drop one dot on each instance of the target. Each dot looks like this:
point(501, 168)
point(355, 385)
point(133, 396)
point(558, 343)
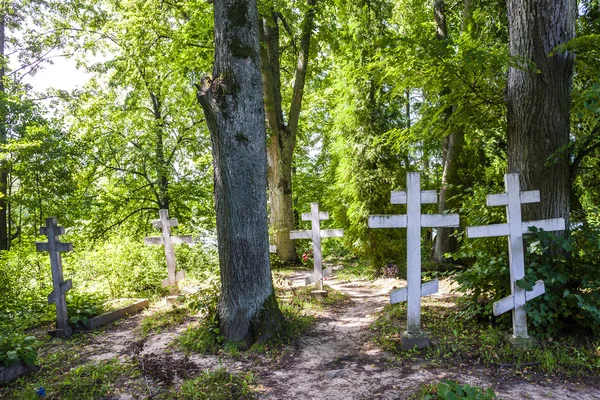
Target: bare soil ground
point(337, 359)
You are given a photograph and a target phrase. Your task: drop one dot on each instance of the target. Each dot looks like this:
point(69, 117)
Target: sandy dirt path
point(338, 360)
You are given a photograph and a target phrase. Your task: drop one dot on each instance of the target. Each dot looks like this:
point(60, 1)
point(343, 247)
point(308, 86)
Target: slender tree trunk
point(282, 140)
point(4, 233)
point(234, 110)
point(452, 146)
point(162, 168)
point(539, 101)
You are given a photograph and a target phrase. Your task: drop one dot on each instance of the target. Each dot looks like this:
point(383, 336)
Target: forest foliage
point(105, 157)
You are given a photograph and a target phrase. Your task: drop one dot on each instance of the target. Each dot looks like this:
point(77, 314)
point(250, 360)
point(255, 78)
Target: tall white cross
point(414, 221)
point(514, 229)
point(316, 233)
point(58, 295)
point(168, 241)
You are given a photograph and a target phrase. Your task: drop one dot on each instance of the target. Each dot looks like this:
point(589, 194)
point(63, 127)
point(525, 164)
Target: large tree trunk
point(539, 100)
point(234, 110)
point(282, 140)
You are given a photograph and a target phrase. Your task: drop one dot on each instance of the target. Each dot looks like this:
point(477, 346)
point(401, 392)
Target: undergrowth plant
point(467, 341)
point(449, 390)
point(15, 347)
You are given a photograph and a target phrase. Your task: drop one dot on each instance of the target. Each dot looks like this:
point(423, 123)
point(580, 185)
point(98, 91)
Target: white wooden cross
point(514, 229)
point(168, 241)
point(413, 220)
point(58, 295)
point(316, 233)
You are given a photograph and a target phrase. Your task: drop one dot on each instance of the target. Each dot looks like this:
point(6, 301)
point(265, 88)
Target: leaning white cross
point(168, 241)
point(58, 295)
point(316, 233)
point(514, 229)
point(413, 220)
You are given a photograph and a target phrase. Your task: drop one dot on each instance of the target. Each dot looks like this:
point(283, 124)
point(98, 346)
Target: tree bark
point(4, 233)
point(282, 141)
point(162, 167)
point(452, 146)
point(234, 110)
point(539, 100)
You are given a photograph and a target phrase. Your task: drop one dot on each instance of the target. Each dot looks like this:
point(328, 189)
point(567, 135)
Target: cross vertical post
point(315, 216)
point(60, 287)
point(413, 220)
point(514, 229)
point(165, 224)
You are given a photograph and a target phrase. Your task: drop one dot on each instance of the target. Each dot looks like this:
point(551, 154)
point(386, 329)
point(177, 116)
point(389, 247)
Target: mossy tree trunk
point(282, 138)
point(234, 110)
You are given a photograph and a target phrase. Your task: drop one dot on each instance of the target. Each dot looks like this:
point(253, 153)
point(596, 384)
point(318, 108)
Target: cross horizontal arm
point(59, 246)
point(550, 225)
point(300, 234)
point(58, 230)
point(427, 197)
point(388, 221)
point(309, 216)
point(154, 240)
point(427, 289)
point(42, 246)
point(64, 288)
point(181, 239)
point(312, 279)
point(330, 233)
point(157, 223)
point(178, 277)
point(501, 199)
point(508, 303)
point(64, 247)
point(488, 231)
point(440, 220)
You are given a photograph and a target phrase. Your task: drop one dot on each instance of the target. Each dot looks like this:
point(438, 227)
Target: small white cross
point(514, 229)
point(168, 241)
point(316, 233)
point(413, 220)
point(58, 295)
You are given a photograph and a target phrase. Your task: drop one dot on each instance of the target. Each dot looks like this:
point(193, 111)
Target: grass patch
point(355, 270)
point(162, 320)
point(89, 381)
point(465, 341)
point(216, 384)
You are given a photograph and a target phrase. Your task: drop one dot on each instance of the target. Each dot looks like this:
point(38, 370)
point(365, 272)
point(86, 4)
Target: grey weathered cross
point(413, 220)
point(168, 241)
point(514, 229)
point(58, 295)
point(316, 233)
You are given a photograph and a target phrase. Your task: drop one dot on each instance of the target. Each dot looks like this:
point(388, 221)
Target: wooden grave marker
point(413, 221)
point(316, 233)
point(58, 296)
point(168, 241)
point(514, 229)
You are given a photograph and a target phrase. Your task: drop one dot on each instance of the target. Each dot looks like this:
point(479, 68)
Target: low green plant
point(17, 347)
point(83, 306)
point(448, 390)
point(83, 382)
point(163, 320)
point(218, 384)
point(203, 337)
point(469, 341)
